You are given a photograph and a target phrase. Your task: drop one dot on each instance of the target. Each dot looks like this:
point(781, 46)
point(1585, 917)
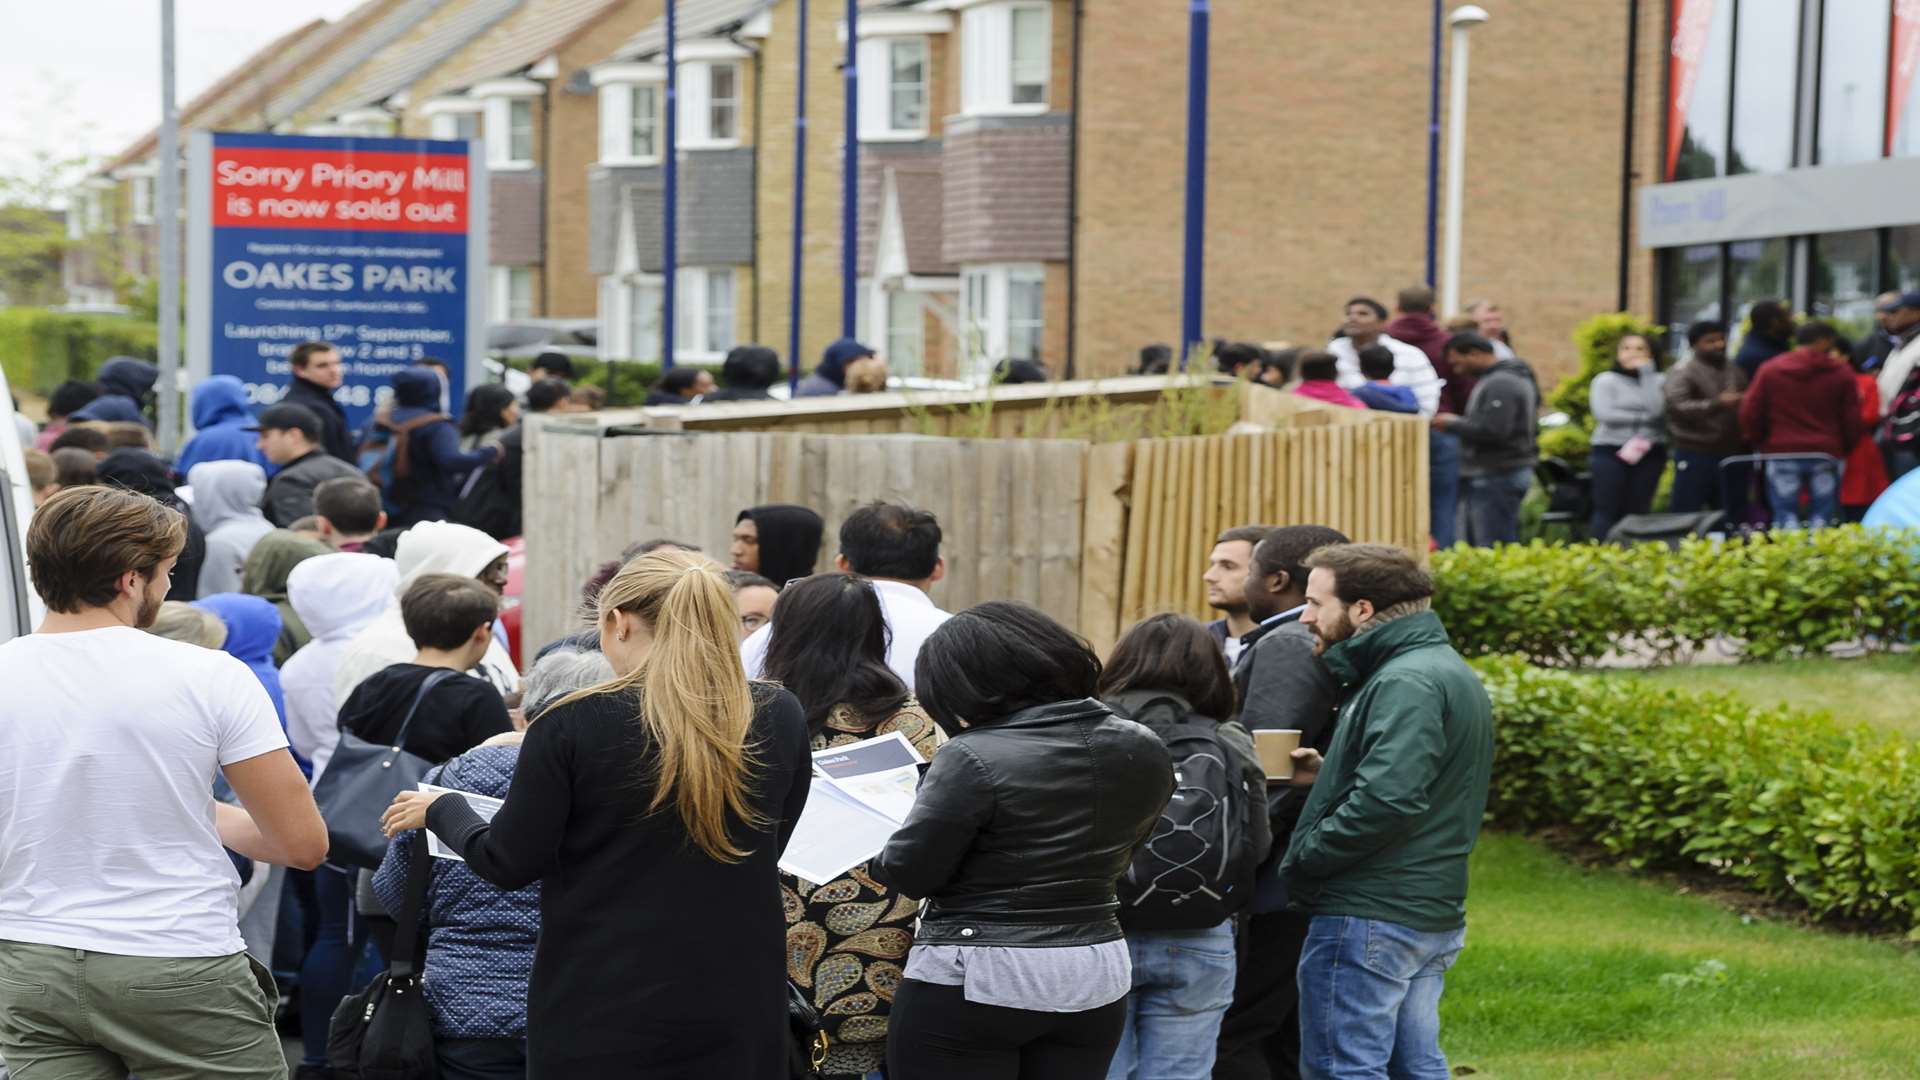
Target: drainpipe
point(1073, 195)
point(850, 182)
point(1433, 143)
point(1626, 155)
point(799, 208)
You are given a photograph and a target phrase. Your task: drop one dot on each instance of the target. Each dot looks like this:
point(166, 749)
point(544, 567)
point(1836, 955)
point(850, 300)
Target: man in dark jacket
point(1772, 334)
point(780, 542)
point(1226, 582)
point(424, 469)
point(317, 373)
point(1703, 417)
point(125, 385)
point(1499, 438)
point(1806, 402)
point(290, 438)
point(1379, 858)
point(1280, 685)
point(747, 374)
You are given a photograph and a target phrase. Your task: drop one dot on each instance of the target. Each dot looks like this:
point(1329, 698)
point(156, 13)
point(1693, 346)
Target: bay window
point(894, 88)
point(1002, 314)
point(1006, 58)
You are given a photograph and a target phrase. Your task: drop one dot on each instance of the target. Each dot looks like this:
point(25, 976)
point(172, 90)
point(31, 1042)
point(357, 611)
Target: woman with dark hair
point(829, 647)
point(1023, 823)
point(1168, 674)
point(681, 386)
point(1629, 450)
point(491, 411)
point(1277, 364)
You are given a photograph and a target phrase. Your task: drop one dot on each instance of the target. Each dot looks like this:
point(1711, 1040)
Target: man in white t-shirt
point(899, 548)
point(120, 948)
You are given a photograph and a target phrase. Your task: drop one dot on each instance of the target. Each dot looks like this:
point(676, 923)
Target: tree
point(37, 174)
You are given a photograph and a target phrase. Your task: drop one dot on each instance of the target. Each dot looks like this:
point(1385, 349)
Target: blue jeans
point(1821, 479)
point(334, 966)
point(1182, 985)
point(1370, 999)
point(1620, 489)
point(1443, 487)
point(1493, 505)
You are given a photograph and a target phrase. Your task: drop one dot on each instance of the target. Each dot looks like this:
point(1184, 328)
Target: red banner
point(1692, 28)
point(1906, 57)
point(339, 189)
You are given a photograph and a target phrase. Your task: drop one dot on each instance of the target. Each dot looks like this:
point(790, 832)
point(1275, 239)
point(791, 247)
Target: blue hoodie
point(831, 376)
point(435, 461)
point(124, 386)
point(253, 626)
point(223, 427)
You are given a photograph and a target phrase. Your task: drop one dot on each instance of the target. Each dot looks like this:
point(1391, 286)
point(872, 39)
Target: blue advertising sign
point(375, 246)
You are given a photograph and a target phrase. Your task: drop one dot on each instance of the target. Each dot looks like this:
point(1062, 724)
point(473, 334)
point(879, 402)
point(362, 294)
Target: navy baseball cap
point(288, 417)
point(1905, 300)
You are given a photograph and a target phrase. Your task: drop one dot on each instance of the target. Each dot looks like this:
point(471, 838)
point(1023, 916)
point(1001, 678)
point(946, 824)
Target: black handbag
point(360, 782)
point(385, 1032)
point(807, 1050)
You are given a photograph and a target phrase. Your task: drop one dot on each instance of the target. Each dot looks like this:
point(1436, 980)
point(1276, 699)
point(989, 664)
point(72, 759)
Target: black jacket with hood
point(149, 474)
point(789, 540)
point(335, 438)
point(1500, 430)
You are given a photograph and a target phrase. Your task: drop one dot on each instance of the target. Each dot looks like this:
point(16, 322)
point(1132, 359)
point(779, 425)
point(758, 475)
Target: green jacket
point(1397, 805)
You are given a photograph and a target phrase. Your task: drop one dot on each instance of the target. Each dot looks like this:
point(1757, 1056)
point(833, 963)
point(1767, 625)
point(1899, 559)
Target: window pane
point(1765, 58)
point(520, 293)
point(1906, 83)
point(719, 310)
point(641, 137)
point(1030, 59)
point(1702, 149)
point(1758, 271)
point(1843, 279)
point(1903, 259)
point(721, 105)
point(1690, 288)
point(974, 316)
point(906, 344)
point(520, 130)
point(643, 321)
point(1853, 80)
point(907, 93)
point(1023, 317)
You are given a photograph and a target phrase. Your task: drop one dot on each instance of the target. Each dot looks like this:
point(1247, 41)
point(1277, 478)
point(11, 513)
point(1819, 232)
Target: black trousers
point(935, 1033)
point(1260, 1037)
point(481, 1059)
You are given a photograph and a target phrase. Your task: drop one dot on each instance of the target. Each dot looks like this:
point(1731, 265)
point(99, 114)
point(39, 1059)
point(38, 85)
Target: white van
point(20, 607)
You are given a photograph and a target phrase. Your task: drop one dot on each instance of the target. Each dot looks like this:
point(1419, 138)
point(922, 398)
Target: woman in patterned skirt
point(848, 938)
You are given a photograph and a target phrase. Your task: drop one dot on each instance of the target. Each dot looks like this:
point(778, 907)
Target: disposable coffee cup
point(1276, 749)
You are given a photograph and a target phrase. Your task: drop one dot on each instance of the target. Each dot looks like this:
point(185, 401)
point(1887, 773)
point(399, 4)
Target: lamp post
point(167, 223)
point(799, 203)
point(670, 196)
point(850, 179)
point(1461, 22)
point(1193, 262)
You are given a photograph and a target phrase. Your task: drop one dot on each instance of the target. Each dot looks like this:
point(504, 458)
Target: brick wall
point(1317, 170)
point(1006, 189)
point(514, 202)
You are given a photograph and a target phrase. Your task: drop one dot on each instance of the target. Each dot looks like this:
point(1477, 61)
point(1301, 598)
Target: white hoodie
point(226, 503)
point(336, 596)
point(431, 547)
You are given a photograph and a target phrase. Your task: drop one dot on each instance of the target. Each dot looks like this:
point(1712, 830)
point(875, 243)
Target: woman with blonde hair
point(652, 809)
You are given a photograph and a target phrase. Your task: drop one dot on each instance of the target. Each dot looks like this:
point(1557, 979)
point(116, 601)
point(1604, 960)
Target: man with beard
point(1280, 684)
point(114, 891)
point(1379, 858)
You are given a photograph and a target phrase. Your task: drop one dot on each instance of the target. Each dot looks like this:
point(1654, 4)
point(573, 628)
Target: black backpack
point(1196, 867)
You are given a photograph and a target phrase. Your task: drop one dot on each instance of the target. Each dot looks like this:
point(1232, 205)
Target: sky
point(84, 75)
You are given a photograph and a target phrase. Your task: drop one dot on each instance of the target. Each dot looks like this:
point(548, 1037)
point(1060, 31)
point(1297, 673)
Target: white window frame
point(878, 88)
point(630, 317)
point(499, 98)
point(447, 117)
point(986, 312)
point(512, 293)
point(618, 83)
point(140, 195)
point(986, 59)
point(696, 105)
point(694, 301)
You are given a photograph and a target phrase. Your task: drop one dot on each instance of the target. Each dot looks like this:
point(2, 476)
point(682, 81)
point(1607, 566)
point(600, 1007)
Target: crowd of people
point(623, 911)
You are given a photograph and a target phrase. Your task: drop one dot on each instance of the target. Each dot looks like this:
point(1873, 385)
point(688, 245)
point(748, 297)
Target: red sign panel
point(1906, 57)
point(369, 191)
point(1692, 29)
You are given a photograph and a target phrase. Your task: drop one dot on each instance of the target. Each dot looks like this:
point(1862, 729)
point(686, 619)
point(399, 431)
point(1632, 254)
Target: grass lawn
point(1562, 977)
point(1873, 689)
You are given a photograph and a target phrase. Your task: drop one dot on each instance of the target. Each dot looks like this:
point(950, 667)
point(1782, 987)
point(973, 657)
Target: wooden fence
point(1097, 534)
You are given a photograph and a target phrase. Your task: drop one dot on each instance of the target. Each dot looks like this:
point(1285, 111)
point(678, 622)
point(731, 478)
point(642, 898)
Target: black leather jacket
point(1021, 827)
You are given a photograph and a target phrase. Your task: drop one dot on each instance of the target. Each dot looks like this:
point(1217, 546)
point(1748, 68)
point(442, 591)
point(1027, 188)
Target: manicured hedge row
point(40, 348)
point(1791, 805)
point(1787, 593)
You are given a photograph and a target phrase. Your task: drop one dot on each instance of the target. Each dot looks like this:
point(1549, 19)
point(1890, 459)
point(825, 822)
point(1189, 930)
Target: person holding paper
point(829, 646)
point(1023, 823)
point(480, 937)
point(653, 810)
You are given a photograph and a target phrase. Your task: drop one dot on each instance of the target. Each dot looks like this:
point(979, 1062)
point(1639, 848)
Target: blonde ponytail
point(695, 704)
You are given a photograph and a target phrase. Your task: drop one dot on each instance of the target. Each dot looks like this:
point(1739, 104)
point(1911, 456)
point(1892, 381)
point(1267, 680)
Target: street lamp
point(1462, 22)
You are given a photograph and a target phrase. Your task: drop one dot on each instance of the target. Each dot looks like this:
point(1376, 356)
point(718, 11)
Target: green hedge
point(625, 381)
point(1775, 596)
point(1794, 806)
point(41, 349)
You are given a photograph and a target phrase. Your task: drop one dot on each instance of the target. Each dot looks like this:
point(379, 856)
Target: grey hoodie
point(1625, 405)
point(1500, 431)
point(226, 504)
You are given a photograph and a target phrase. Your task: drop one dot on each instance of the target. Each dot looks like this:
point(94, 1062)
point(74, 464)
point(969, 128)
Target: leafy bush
point(625, 381)
point(1773, 596)
point(1792, 805)
point(1569, 442)
point(1596, 339)
point(41, 349)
